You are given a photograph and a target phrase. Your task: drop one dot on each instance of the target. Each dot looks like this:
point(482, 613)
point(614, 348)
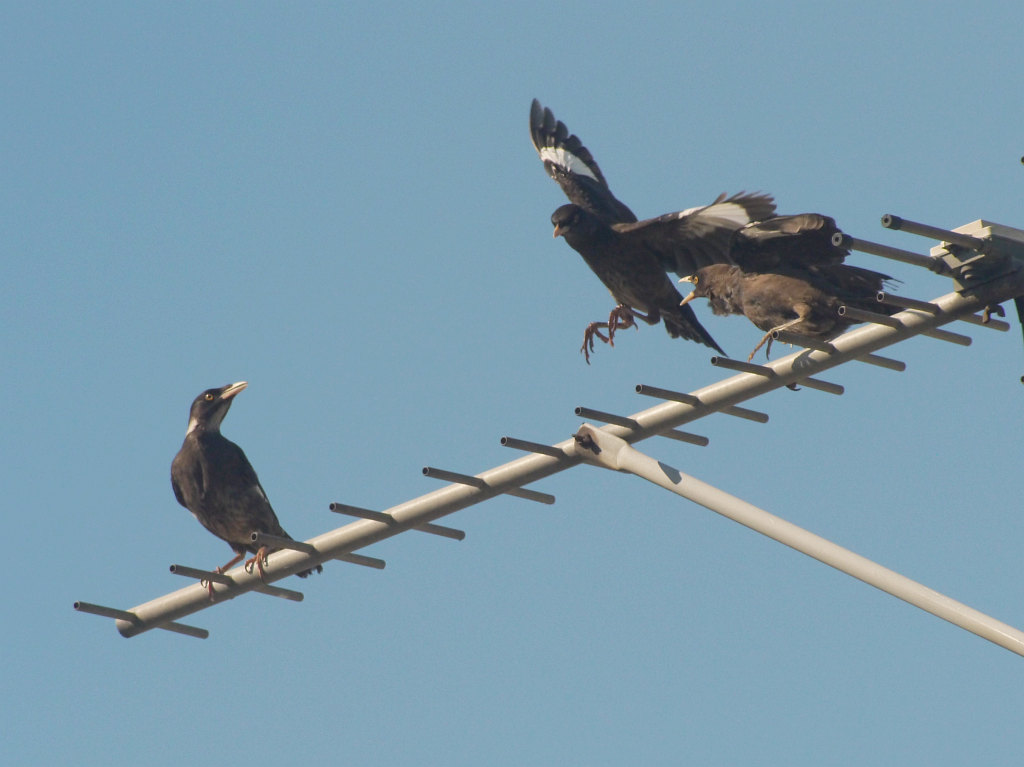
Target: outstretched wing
point(569, 163)
point(685, 241)
point(802, 241)
point(802, 245)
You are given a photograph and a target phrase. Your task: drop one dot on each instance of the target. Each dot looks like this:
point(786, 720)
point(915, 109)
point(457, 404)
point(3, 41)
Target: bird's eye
point(208, 397)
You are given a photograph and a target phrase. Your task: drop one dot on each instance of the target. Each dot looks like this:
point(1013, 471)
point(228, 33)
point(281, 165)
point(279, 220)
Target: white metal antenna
point(611, 452)
point(986, 263)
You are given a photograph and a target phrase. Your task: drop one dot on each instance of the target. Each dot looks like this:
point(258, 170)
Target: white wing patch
point(728, 212)
point(567, 160)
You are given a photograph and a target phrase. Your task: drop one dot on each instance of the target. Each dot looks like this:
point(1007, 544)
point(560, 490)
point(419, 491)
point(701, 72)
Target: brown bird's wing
point(569, 163)
point(853, 285)
point(800, 246)
point(684, 242)
point(796, 242)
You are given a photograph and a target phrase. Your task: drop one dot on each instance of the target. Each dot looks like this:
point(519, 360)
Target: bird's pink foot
point(258, 560)
point(593, 329)
point(620, 317)
point(220, 571)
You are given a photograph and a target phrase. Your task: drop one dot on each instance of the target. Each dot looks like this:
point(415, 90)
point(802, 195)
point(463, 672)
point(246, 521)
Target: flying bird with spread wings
point(214, 480)
point(632, 257)
point(786, 273)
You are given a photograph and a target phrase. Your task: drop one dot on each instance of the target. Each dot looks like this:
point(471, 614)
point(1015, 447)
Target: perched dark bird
point(214, 480)
point(786, 274)
point(632, 257)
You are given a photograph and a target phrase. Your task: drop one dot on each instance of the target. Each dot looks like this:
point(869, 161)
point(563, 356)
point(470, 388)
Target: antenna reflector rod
point(685, 436)
point(819, 385)
point(277, 591)
point(890, 221)
point(947, 336)
point(202, 575)
point(767, 372)
point(106, 612)
point(742, 367)
point(123, 616)
point(808, 342)
point(600, 415)
point(387, 519)
point(906, 303)
point(862, 316)
point(841, 240)
point(892, 322)
point(466, 479)
point(695, 401)
point(359, 559)
point(821, 345)
point(532, 447)
point(883, 362)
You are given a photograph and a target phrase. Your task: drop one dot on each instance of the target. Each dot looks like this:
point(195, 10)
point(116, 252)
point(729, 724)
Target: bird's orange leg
point(234, 559)
point(258, 560)
point(802, 312)
point(220, 571)
point(768, 351)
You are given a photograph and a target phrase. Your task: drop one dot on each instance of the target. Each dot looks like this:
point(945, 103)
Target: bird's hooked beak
point(558, 231)
point(233, 389)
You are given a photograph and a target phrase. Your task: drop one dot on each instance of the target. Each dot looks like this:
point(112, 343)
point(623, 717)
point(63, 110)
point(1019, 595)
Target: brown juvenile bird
point(214, 480)
point(632, 257)
point(787, 275)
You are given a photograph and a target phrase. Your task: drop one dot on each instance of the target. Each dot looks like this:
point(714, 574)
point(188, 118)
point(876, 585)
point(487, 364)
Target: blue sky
point(340, 204)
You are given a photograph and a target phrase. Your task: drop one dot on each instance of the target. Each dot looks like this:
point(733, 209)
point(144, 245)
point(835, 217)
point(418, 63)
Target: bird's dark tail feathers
point(307, 573)
point(858, 287)
point(681, 322)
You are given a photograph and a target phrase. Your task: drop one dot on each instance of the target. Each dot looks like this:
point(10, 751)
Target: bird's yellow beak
point(233, 389)
point(689, 278)
point(558, 231)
